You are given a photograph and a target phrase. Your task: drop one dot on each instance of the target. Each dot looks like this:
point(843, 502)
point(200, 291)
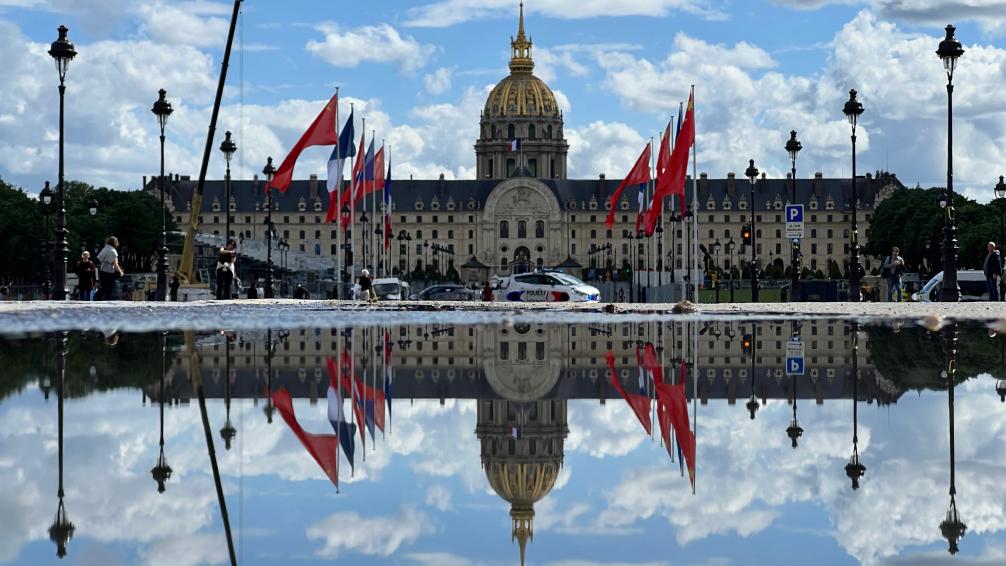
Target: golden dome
point(521, 93)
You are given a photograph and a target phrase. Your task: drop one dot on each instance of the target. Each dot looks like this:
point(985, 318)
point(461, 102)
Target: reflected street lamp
point(162, 109)
point(949, 51)
point(852, 110)
point(62, 52)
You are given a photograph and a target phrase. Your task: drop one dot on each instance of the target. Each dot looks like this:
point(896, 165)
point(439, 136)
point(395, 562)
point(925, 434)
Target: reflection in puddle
point(539, 398)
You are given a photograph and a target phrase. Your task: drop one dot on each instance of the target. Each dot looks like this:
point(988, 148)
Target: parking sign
point(794, 221)
point(794, 356)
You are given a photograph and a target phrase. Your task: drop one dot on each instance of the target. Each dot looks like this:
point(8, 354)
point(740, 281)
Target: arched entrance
point(521, 261)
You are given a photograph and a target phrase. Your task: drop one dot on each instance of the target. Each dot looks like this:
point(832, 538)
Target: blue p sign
point(794, 213)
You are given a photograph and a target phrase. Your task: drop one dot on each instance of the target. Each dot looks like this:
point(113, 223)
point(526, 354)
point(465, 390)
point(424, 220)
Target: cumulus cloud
point(987, 13)
point(450, 12)
point(438, 81)
point(380, 536)
point(381, 43)
point(602, 147)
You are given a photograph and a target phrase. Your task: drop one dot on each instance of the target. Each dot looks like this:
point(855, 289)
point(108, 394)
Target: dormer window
point(216, 205)
point(742, 205)
point(301, 205)
point(419, 205)
point(813, 204)
point(317, 205)
point(624, 204)
point(727, 205)
point(710, 204)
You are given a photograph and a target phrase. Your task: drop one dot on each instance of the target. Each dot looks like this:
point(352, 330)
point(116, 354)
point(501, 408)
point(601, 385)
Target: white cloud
point(438, 81)
point(199, 23)
point(438, 559)
point(192, 550)
point(381, 43)
point(602, 147)
point(450, 12)
point(381, 536)
point(987, 13)
point(439, 497)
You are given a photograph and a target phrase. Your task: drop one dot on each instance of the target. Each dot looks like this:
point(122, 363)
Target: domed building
point(521, 107)
point(522, 454)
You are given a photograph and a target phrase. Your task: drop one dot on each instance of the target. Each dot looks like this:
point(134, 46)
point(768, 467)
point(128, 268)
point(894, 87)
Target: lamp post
point(347, 246)
point(162, 109)
point(855, 469)
point(952, 528)
point(227, 432)
point(228, 148)
point(45, 198)
point(1000, 192)
point(949, 51)
point(852, 110)
point(793, 147)
point(401, 242)
point(408, 250)
point(752, 174)
point(363, 223)
point(62, 52)
point(660, 253)
point(269, 171)
point(794, 431)
point(61, 530)
point(161, 472)
point(716, 267)
point(729, 248)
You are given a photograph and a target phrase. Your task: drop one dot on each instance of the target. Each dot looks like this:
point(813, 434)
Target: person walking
point(367, 287)
point(173, 288)
point(225, 270)
point(891, 269)
point(109, 268)
point(300, 293)
point(487, 293)
point(993, 269)
point(86, 273)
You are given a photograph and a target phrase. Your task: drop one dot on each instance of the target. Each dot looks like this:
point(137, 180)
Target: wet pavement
point(617, 440)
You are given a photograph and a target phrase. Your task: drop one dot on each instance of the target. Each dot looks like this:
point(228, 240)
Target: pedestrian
point(301, 293)
point(173, 288)
point(86, 273)
point(367, 287)
point(109, 268)
point(487, 293)
point(225, 270)
point(993, 269)
point(252, 291)
point(891, 269)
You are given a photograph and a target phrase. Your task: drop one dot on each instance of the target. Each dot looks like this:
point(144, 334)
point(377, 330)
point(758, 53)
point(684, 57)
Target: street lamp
point(62, 52)
point(363, 223)
point(162, 109)
point(852, 110)
point(45, 197)
point(793, 147)
point(950, 50)
point(1000, 191)
point(92, 207)
point(161, 472)
point(401, 242)
point(729, 249)
point(269, 171)
point(752, 174)
point(855, 470)
point(228, 147)
point(952, 528)
point(660, 253)
point(716, 267)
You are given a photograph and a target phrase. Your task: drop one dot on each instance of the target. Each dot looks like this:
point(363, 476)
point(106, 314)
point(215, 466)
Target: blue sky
point(419, 71)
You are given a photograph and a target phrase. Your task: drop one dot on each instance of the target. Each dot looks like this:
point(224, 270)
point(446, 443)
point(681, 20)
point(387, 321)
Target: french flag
point(515, 145)
point(336, 165)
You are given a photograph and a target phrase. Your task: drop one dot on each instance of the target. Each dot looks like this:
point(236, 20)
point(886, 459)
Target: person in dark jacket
point(993, 269)
point(301, 293)
point(366, 287)
point(173, 288)
point(86, 274)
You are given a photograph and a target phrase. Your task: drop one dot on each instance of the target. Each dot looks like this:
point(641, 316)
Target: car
point(971, 282)
point(448, 292)
point(391, 289)
point(549, 287)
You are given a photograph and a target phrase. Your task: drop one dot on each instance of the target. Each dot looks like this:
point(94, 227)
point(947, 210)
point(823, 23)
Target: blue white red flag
point(337, 417)
point(336, 165)
point(515, 145)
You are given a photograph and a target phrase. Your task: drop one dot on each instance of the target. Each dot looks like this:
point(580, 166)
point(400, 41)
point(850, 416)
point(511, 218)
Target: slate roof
point(572, 194)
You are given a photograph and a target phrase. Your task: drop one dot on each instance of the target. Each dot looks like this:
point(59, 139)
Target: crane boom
point(186, 268)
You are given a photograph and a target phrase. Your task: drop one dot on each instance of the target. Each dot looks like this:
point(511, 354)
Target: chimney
point(600, 185)
point(312, 187)
point(441, 184)
point(819, 184)
point(731, 184)
point(144, 185)
point(703, 184)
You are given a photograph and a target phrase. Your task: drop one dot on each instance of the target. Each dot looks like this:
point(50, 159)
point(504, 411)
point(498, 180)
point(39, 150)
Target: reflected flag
point(388, 373)
point(640, 404)
point(671, 397)
point(324, 448)
point(344, 430)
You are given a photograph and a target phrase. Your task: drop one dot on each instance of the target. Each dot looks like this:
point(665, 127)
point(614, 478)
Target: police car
point(549, 287)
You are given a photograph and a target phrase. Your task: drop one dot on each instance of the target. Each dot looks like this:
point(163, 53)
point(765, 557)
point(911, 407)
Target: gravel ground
point(47, 316)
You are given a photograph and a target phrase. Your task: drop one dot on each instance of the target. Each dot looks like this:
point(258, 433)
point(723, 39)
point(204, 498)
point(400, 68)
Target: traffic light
point(746, 342)
point(746, 235)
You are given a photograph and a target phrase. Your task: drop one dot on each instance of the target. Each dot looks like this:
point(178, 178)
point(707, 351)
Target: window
point(530, 132)
point(539, 229)
point(450, 234)
point(435, 235)
point(532, 167)
point(593, 234)
point(521, 229)
point(504, 229)
point(511, 165)
point(505, 346)
point(510, 133)
point(419, 234)
point(490, 169)
point(552, 169)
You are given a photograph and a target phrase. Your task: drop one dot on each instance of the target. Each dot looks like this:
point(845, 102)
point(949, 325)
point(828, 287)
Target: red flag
point(378, 183)
point(350, 197)
point(640, 403)
point(323, 131)
point(639, 174)
point(677, 167)
point(351, 384)
point(663, 161)
point(322, 447)
point(671, 399)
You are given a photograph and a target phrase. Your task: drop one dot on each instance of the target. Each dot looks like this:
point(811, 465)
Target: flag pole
point(695, 207)
point(373, 210)
point(338, 216)
point(695, 396)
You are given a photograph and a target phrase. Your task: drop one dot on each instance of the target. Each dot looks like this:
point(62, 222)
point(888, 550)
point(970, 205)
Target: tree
point(21, 229)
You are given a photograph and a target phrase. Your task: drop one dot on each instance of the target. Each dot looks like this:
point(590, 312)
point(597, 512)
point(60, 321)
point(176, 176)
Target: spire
point(523, 527)
point(520, 49)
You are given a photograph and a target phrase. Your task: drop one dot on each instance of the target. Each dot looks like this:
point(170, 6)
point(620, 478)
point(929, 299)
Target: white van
point(971, 282)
